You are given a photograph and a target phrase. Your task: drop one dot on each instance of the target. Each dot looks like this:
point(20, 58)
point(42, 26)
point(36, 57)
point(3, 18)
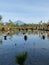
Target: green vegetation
point(10, 26)
point(25, 37)
point(43, 37)
point(20, 59)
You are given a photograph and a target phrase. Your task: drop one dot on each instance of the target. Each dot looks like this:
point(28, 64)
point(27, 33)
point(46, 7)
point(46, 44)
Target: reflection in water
point(5, 37)
point(37, 49)
point(48, 35)
point(43, 37)
point(15, 44)
point(1, 41)
point(23, 33)
point(25, 37)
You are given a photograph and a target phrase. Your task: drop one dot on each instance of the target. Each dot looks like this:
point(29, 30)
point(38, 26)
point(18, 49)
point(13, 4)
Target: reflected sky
point(36, 47)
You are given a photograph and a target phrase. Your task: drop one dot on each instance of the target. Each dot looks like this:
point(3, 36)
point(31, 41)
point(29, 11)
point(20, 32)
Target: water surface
point(36, 47)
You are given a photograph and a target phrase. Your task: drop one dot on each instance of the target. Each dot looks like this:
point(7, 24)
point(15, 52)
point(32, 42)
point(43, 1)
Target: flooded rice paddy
point(36, 45)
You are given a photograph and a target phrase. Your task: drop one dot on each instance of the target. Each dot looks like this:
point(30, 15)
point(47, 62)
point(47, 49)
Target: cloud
point(26, 10)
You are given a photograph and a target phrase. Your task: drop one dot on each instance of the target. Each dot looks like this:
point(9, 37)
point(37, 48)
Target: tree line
point(11, 24)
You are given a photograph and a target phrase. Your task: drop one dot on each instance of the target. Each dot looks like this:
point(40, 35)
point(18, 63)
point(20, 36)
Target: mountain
point(19, 22)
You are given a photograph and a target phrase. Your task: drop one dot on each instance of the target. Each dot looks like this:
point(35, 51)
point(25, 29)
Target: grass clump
point(21, 58)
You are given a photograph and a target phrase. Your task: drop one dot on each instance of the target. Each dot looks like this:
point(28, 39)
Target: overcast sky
point(29, 11)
